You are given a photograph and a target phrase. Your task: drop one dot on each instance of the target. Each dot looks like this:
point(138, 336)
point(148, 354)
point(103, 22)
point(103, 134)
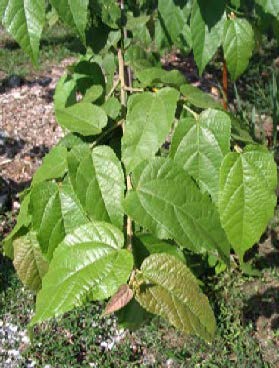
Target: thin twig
point(133, 90)
point(115, 84)
point(123, 97)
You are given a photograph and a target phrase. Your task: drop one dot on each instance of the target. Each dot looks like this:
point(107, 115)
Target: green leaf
point(146, 244)
point(149, 120)
point(152, 76)
point(173, 17)
point(73, 13)
point(238, 44)
point(110, 12)
point(112, 107)
point(88, 264)
point(24, 20)
point(270, 7)
point(54, 165)
point(247, 196)
point(46, 215)
point(167, 196)
point(83, 118)
point(88, 74)
point(65, 93)
point(99, 185)
point(71, 209)
point(22, 223)
point(169, 289)
point(29, 261)
point(206, 28)
point(203, 147)
point(93, 93)
point(199, 98)
point(75, 156)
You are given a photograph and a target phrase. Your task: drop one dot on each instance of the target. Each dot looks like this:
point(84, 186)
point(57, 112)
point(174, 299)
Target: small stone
point(14, 81)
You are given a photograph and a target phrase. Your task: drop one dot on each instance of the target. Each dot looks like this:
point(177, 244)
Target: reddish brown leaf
point(121, 298)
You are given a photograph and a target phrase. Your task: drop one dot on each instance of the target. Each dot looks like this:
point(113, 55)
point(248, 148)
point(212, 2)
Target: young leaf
point(112, 107)
point(88, 264)
point(24, 20)
point(54, 165)
point(247, 196)
point(73, 13)
point(167, 195)
point(169, 289)
point(121, 298)
point(99, 185)
point(83, 118)
point(199, 98)
point(238, 44)
point(29, 261)
point(206, 28)
point(149, 120)
point(203, 147)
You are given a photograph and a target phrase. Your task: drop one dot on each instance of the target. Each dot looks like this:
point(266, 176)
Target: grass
point(79, 338)
point(57, 43)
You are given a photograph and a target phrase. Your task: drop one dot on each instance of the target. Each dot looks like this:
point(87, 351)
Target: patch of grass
point(57, 43)
point(82, 338)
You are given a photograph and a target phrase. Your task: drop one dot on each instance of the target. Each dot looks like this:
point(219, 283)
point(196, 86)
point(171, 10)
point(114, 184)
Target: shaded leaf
point(29, 261)
point(199, 98)
point(169, 289)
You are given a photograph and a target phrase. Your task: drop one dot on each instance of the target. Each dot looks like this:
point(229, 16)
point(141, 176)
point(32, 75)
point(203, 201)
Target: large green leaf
point(54, 165)
point(169, 289)
point(73, 13)
point(199, 98)
point(149, 119)
point(88, 264)
point(206, 28)
point(83, 118)
point(201, 150)
point(99, 185)
point(167, 196)
point(24, 20)
point(238, 44)
point(29, 261)
point(270, 6)
point(47, 219)
point(247, 196)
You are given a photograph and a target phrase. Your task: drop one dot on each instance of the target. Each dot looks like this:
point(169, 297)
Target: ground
point(246, 307)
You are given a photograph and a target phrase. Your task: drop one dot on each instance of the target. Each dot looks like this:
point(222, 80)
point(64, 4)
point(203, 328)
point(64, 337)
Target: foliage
point(109, 176)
